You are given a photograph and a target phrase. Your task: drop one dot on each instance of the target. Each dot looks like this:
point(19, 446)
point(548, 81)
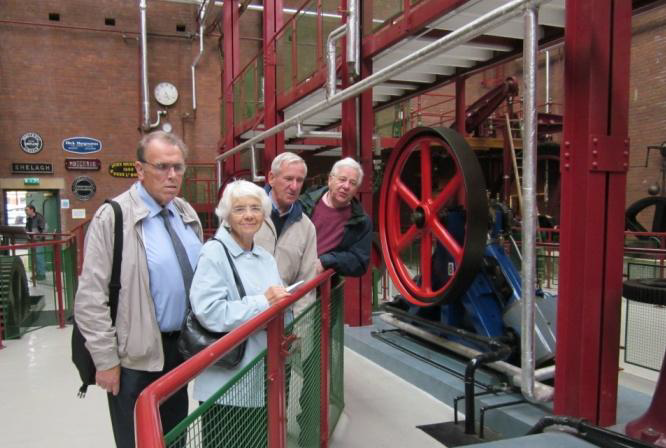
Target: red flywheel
point(433, 207)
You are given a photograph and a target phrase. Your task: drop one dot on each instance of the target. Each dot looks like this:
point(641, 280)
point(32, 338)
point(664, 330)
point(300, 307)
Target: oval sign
point(81, 145)
point(122, 169)
point(84, 188)
point(31, 142)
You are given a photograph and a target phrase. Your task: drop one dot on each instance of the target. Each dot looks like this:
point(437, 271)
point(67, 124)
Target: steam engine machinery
point(443, 242)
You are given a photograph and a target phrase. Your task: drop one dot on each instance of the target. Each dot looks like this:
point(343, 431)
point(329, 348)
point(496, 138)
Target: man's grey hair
point(286, 158)
point(348, 162)
point(241, 189)
point(165, 137)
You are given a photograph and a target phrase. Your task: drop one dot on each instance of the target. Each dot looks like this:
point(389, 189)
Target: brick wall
point(80, 77)
point(647, 100)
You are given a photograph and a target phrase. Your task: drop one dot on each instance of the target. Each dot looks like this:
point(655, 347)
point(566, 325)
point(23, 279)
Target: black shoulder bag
point(194, 337)
point(80, 354)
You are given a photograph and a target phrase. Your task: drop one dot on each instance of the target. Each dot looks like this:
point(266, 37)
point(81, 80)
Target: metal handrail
point(146, 415)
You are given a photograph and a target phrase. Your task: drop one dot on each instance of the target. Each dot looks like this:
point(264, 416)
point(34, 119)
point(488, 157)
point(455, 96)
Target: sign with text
point(122, 169)
point(78, 213)
point(81, 145)
point(31, 143)
point(83, 164)
point(31, 181)
point(28, 168)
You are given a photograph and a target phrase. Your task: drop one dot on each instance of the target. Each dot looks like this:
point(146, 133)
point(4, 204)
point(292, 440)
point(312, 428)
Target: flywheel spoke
point(447, 240)
point(426, 261)
point(406, 194)
point(426, 171)
point(449, 192)
point(406, 238)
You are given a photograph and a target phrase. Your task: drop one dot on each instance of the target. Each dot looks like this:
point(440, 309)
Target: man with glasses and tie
point(161, 242)
point(344, 230)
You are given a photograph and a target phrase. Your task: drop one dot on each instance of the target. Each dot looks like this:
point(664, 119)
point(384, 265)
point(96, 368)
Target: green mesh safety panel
point(217, 424)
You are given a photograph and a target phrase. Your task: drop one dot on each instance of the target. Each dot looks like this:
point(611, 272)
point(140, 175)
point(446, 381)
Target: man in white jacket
point(288, 233)
point(290, 236)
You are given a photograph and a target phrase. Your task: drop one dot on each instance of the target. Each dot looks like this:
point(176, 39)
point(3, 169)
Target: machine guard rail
point(148, 426)
point(75, 237)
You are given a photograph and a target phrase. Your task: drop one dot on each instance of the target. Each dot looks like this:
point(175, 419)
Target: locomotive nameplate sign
point(83, 164)
point(122, 169)
point(30, 168)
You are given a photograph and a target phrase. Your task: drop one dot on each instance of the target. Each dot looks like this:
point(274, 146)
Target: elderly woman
point(219, 307)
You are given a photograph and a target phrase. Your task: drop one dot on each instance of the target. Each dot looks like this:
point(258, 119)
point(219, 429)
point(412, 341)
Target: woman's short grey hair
point(348, 162)
point(241, 189)
point(286, 158)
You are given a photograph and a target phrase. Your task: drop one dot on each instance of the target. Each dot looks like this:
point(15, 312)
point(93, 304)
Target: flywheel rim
point(466, 185)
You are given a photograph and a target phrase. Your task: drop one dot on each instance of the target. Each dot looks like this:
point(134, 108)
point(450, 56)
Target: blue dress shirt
point(166, 280)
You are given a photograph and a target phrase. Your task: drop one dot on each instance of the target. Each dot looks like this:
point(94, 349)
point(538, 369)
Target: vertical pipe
point(460, 105)
point(353, 20)
point(194, 65)
point(144, 66)
point(529, 211)
point(330, 58)
point(547, 81)
point(253, 166)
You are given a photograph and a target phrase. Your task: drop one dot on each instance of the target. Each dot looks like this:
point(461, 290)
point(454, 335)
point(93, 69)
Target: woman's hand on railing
point(275, 293)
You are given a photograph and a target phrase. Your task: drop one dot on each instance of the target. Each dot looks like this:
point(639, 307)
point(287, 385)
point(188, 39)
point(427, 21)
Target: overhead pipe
point(330, 59)
point(529, 221)
point(463, 34)
point(144, 66)
point(203, 11)
point(351, 30)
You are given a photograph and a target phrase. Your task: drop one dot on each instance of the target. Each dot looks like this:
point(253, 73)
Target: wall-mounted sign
point(122, 169)
point(83, 164)
point(64, 203)
point(31, 142)
point(28, 168)
point(78, 213)
point(83, 188)
point(31, 181)
point(81, 145)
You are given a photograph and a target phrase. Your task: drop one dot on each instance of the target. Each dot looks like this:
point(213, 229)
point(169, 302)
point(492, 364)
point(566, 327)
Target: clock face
point(166, 93)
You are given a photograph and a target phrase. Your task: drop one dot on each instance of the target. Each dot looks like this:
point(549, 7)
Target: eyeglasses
point(343, 180)
point(164, 168)
point(254, 209)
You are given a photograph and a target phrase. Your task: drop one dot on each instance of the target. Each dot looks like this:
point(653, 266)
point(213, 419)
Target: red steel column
point(349, 149)
point(594, 160)
point(272, 23)
point(231, 42)
point(277, 419)
point(365, 283)
point(324, 389)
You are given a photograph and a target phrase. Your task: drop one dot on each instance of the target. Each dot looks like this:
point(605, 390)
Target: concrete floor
point(39, 407)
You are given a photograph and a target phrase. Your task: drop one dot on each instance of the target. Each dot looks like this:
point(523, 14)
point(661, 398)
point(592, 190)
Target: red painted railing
point(146, 414)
